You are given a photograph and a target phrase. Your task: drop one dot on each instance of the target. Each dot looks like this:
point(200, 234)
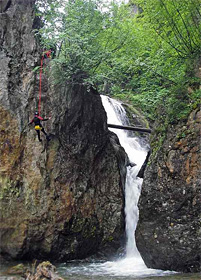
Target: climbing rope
point(46, 54)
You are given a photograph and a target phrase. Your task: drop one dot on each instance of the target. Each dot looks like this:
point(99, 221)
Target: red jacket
point(37, 120)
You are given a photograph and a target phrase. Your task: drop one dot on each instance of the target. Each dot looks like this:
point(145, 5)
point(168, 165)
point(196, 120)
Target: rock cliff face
point(64, 199)
point(169, 229)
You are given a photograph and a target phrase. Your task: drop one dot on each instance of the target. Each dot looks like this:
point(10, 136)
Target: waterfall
point(116, 114)
point(132, 265)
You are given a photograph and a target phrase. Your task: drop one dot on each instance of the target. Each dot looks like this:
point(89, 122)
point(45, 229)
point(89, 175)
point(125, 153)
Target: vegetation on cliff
point(144, 52)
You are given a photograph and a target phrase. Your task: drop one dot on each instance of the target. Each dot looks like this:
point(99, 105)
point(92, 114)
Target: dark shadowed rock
point(142, 169)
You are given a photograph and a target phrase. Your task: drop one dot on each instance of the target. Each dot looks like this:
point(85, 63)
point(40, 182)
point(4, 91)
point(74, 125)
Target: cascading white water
point(132, 264)
point(137, 154)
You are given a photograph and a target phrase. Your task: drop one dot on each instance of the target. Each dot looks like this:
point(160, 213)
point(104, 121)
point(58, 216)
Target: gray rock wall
point(64, 199)
point(169, 229)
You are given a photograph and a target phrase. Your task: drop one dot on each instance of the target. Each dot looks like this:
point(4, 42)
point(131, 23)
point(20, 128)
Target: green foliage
point(36, 69)
point(86, 38)
point(176, 22)
point(146, 58)
point(50, 13)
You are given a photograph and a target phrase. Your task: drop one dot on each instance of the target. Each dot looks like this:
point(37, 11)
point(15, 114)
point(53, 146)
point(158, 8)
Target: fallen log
point(147, 130)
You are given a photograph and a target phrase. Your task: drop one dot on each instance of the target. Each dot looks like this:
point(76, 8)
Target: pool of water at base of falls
point(123, 269)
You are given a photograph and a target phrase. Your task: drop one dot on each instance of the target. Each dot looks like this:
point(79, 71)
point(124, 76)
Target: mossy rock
point(136, 118)
point(19, 269)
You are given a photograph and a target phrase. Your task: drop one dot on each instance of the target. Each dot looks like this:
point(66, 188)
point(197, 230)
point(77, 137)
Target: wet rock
point(44, 270)
point(142, 169)
point(19, 269)
point(137, 119)
point(4, 5)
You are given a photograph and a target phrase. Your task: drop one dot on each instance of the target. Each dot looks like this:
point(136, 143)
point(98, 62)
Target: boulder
point(44, 270)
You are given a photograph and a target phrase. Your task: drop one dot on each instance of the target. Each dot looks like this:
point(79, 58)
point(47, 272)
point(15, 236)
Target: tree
point(138, 57)
point(87, 36)
point(176, 22)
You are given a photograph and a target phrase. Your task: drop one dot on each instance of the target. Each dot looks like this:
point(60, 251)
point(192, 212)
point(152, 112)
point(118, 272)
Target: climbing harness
point(46, 54)
point(38, 127)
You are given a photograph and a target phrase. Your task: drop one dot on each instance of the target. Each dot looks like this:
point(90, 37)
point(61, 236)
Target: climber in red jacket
point(38, 126)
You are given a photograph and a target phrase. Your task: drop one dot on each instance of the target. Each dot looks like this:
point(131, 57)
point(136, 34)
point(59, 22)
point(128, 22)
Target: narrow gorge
point(66, 199)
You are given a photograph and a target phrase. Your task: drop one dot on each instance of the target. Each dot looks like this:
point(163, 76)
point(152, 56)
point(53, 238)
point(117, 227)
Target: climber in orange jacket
point(38, 126)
